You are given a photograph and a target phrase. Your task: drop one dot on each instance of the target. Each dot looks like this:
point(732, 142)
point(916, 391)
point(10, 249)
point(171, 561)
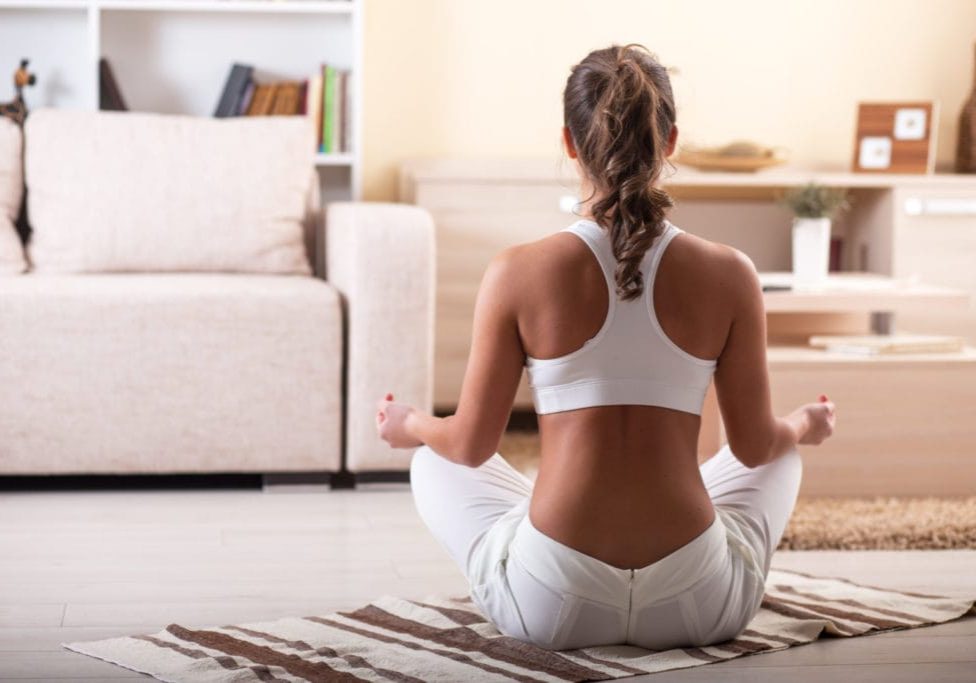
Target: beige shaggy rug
point(838, 523)
point(444, 639)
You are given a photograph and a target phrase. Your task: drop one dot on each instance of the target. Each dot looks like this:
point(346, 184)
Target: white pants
point(538, 590)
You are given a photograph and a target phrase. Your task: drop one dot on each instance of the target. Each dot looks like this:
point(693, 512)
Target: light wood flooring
point(94, 564)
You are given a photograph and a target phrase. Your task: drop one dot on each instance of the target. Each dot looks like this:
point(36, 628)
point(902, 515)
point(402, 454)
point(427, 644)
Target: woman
point(622, 320)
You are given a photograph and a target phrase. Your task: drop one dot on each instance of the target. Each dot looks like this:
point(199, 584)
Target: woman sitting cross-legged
point(622, 321)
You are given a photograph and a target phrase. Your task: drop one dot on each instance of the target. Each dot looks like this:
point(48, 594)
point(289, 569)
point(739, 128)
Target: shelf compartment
point(166, 61)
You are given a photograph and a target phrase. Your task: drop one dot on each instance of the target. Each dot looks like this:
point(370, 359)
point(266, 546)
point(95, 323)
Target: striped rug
point(446, 639)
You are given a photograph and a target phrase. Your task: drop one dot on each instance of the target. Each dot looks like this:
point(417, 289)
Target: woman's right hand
point(819, 419)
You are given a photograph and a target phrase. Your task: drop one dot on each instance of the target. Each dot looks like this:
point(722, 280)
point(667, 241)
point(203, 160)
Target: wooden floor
point(89, 565)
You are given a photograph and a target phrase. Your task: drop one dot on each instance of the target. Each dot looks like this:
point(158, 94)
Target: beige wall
point(484, 78)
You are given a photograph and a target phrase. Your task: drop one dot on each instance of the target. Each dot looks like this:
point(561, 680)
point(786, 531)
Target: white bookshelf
point(173, 56)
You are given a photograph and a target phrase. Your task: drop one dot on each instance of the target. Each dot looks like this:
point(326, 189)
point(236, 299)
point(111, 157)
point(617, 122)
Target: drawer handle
point(916, 206)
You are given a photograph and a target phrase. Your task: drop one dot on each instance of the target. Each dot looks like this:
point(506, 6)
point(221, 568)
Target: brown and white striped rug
point(446, 639)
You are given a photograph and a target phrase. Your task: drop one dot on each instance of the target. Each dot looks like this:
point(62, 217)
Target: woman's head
point(619, 117)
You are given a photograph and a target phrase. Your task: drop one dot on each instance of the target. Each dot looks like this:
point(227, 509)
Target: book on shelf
point(109, 95)
point(324, 97)
point(335, 103)
point(263, 99)
point(328, 106)
point(288, 99)
point(234, 88)
point(313, 106)
point(835, 259)
point(886, 344)
point(246, 98)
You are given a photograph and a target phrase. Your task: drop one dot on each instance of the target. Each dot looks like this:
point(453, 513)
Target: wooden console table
point(909, 256)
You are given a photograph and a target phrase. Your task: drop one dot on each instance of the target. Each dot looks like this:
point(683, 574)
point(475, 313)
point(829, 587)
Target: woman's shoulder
point(549, 251)
point(552, 261)
point(719, 269)
point(711, 257)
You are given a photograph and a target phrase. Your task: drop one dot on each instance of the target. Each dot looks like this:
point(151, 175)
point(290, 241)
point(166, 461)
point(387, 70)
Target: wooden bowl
point(709, 161)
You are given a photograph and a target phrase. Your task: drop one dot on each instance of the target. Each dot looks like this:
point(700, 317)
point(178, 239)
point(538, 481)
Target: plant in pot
point(814, 207)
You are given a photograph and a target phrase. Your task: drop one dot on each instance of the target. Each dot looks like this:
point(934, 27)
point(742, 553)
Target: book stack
point(329, 103)
point(324, 97)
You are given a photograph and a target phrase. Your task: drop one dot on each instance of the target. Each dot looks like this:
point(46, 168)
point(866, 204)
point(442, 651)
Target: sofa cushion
point(169, 373)
point(11, 191)
point(120, 191)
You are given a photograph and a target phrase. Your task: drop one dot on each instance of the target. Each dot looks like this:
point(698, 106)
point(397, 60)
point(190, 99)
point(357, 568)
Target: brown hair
point(619, 109)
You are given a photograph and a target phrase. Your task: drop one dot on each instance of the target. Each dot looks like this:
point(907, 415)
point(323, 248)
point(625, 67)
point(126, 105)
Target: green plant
point(816, 201)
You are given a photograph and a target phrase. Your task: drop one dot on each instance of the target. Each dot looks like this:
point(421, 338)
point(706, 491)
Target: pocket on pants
point(545, 613)
point(494, 599)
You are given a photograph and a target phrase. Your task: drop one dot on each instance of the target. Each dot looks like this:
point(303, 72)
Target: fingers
point(381, 408)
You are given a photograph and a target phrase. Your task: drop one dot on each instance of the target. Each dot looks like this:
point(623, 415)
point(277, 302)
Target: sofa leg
point(343, 480)
point(295, 481)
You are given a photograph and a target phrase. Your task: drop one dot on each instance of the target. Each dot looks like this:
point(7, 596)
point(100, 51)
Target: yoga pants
point(538, 590)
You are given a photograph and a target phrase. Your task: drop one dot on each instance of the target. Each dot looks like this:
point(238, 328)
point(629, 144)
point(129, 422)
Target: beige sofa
point(187, 309)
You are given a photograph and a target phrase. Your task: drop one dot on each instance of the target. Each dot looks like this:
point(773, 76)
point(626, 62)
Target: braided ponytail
point(619, 108)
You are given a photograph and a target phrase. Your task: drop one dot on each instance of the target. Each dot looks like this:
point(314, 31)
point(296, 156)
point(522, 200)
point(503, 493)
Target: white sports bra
point(630, 360)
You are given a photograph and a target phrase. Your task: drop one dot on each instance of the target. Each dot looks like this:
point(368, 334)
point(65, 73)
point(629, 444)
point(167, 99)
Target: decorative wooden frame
point(895, 137)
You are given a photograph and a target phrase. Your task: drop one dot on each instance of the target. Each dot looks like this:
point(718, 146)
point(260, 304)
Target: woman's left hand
point(391, 421)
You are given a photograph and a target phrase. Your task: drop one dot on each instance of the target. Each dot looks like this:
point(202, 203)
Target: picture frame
point(895, 137)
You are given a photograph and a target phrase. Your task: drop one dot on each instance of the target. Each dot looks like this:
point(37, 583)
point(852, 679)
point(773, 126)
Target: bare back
point(621, 482)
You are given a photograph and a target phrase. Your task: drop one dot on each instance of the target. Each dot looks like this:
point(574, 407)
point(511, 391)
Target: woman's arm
point(755, 435)
point(470, 436)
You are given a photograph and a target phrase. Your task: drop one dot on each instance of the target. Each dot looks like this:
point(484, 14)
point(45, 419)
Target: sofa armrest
point(380, 257)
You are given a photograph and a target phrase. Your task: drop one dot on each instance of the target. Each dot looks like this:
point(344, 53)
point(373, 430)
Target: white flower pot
point(811, 251)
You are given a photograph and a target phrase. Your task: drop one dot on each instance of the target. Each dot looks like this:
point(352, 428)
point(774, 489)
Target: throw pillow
point(120, 191)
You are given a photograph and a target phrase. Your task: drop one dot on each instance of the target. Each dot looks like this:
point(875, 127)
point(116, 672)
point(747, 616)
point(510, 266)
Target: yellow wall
point(484, 78)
